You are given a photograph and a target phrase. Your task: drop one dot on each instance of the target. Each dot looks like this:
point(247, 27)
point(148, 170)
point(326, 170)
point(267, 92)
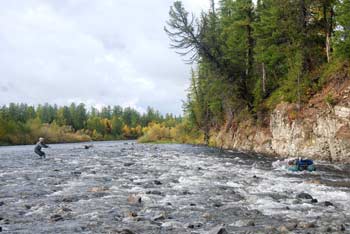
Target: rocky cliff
point(320, 129)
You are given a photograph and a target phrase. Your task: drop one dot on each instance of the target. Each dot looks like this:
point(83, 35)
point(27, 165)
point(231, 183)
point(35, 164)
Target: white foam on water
point(40, 210)
point(172, 224)
point(286, 189)
point(69, 188)
point(136, 189)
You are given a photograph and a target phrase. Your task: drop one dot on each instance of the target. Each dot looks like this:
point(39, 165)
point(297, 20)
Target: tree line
point(23, 124)
point(250, 56)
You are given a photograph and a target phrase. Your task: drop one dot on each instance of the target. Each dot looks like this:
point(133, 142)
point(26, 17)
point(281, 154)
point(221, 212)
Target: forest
point(248, 56)
point(24, 124)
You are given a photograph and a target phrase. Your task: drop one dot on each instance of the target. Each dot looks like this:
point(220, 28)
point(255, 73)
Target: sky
point(98, 52)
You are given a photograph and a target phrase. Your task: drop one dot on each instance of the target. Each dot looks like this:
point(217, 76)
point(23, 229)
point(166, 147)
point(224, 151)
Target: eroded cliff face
point(324, 135)
point(318, 130)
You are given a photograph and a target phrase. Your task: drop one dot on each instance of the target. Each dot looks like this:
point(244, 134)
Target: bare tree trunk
point(207, 127)
point(263, 78)
point(328, 47)
point(329, 31)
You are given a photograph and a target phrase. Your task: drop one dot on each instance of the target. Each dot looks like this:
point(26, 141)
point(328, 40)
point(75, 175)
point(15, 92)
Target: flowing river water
point(125, 187)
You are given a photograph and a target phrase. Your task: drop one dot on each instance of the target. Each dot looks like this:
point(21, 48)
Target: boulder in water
point(154, 192)
point(98, 189)
point(307, 225)
point(132, 214)
point(134, 199)
point(342, 228)
point(56, 218)
point(304, 196)
point(218, 230)
point(76, 173)
point(125, 231)
point(70, 199)
point(192, 226)
point(217, 204)
point(157, 182)
point(64, 209)
point(250, 223)
point(128, 164)
point(158, 217)
point(328, 203)
point(88, 146)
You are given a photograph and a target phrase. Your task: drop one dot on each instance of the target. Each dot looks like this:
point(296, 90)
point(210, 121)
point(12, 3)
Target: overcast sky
point(99, 52)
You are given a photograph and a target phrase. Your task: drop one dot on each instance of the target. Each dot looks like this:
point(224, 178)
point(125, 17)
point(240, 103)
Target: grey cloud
point(101, 52)
point(3, 89)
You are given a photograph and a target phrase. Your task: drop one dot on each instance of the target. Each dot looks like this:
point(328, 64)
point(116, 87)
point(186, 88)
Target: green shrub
point(330, 100)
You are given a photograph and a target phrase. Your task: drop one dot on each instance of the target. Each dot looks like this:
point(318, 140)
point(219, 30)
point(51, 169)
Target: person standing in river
point(40, 144)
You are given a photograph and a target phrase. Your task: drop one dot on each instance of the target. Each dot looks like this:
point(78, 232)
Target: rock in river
point(125, 231)
point(218, 230)
point(157, 182)
point(304, 196)
point(134, 199)
point(328, 203)
point(56, 217)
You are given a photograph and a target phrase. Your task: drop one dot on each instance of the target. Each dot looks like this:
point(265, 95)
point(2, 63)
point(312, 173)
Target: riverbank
point(319, 129)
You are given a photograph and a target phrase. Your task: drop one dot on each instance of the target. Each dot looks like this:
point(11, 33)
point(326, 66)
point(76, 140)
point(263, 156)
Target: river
point(125, 187)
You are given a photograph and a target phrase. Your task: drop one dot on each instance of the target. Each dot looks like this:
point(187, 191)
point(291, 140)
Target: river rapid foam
point(115, 187)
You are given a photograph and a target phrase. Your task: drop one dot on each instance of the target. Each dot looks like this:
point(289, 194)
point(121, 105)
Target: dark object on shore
point(88, 146)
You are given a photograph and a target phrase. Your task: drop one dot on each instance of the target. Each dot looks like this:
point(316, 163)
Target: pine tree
point(237, 19)
point(342, 40)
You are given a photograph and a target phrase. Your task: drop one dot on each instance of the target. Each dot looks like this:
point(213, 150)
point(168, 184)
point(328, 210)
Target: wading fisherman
point(38, 147)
